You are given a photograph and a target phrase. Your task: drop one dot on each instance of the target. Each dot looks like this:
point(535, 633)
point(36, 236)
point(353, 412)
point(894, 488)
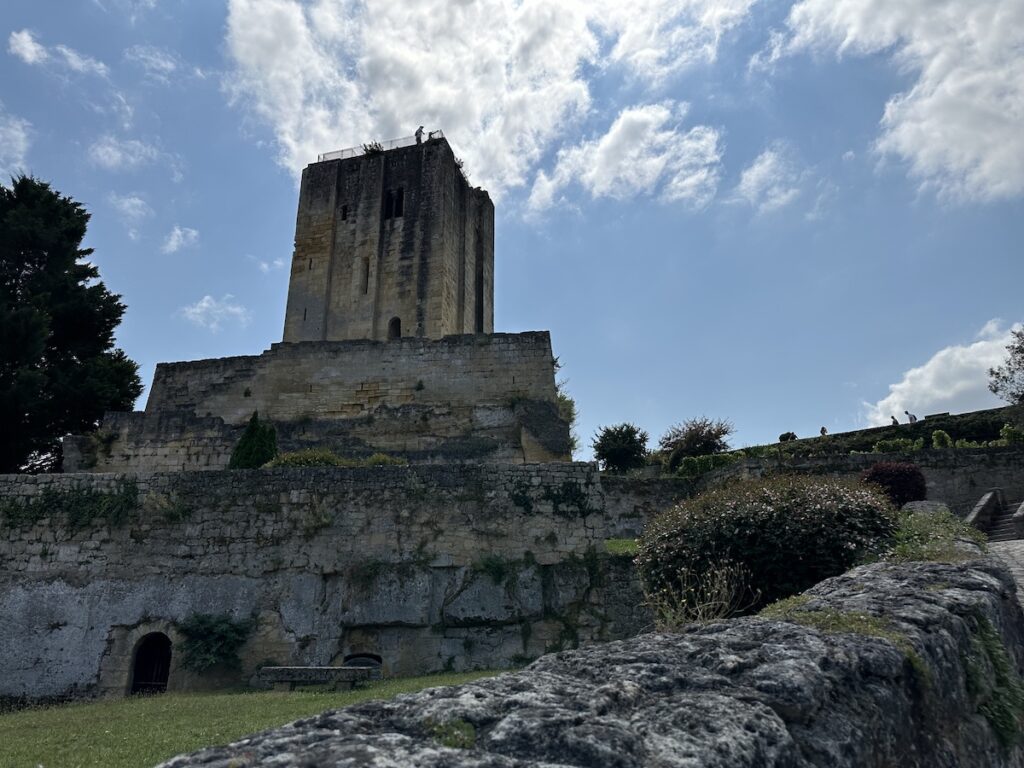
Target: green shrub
point(308, 457)
point(80, 506)
point(941, 439)
point(932, 536)
point(256, 446)
point(897, 445)
point(213, 640)
point(788, 532)
point(1012, 435)
point(696, 437)
point(787, 437)
point(621, 447)
point(900, 480)
point(968, 444)
point(695, 466)
point(324, 457)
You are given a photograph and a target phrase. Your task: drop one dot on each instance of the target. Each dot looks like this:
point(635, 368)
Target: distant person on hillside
point(895, 421)
point(824, 431)
point(419, 135)
point(911, 416)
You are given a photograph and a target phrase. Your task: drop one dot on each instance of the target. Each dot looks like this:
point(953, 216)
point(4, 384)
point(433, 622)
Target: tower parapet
point(391, 243)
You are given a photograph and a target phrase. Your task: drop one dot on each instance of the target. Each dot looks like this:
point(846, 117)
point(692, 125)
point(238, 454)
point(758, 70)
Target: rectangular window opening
point(344, 213)
point(400, 202)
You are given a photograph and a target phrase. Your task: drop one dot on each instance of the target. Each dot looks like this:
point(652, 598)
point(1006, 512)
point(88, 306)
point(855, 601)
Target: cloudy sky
point(788, 214)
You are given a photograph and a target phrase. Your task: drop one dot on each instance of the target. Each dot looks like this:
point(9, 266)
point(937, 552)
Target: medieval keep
point(389, 342)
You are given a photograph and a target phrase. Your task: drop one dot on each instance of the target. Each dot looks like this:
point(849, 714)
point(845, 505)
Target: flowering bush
point(902, 481)
point(788, 533)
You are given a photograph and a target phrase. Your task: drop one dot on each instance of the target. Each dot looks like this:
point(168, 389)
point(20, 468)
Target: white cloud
point(770, 182)
point(213, 314)
point(115, 154)
point(132, 209)
point(23, 45)
point(503, 78)
point(158, 64)
point(178, 238)
point(267, 266)
point(81, 63)
point(959, 125)
point(954, 379)
point(15, 139)
point(644, 152)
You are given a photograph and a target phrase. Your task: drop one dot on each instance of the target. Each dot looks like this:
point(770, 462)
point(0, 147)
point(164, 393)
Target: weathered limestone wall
point(956, 477)
point(936, 690)
point(461, 398)
point(362, 258)
point(428, 567)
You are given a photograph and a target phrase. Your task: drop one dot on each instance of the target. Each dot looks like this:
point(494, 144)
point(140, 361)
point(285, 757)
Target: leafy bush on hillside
point(695, 466)
point(941, 439)
point(256, 446)
point(1012, 435)
point(787, 532)
point(932, 536)
point(621, 447)
point(898, 445)
point(900, 480)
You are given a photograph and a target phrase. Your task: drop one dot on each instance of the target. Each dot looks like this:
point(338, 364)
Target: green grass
point(137, 732)
point(621, 547)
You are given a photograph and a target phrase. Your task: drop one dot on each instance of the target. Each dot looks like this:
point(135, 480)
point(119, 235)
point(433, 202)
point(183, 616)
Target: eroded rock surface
point(747, 692)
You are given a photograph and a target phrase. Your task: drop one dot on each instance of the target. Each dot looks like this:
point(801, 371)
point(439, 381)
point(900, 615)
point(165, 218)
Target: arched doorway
point(371, 660)
point(152, 664)
point(394, 328)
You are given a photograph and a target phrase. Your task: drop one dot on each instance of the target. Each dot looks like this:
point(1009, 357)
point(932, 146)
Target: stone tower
point(391, 244)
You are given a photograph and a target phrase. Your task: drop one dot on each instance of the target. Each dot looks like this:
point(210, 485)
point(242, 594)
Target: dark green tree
point(59, 369)
point(1007, 381)
point(621, 447)
point(256, 446)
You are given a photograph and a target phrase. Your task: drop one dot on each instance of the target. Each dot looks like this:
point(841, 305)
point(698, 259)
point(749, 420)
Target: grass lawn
point(141, 732)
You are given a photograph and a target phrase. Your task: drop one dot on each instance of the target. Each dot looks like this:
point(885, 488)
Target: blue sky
point(787, 214)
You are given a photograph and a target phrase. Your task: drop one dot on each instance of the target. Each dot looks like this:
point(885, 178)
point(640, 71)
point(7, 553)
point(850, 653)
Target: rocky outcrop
point(887, 665)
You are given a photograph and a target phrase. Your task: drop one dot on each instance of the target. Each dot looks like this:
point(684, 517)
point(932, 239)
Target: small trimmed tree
point(621, 447)
point(256, 446)
point(902, 481)
point(698, 436)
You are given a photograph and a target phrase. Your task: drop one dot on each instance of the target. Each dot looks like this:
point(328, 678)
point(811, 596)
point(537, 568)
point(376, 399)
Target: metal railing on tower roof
point(376, 146)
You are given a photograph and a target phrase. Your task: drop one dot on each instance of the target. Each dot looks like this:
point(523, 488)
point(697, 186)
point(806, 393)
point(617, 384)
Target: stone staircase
point(1001, 526)
point(999, 518)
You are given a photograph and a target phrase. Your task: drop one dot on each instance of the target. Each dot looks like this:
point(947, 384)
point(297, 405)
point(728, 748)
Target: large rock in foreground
point(931, 679)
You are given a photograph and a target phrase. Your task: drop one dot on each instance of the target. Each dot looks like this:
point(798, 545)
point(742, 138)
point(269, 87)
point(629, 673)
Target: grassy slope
point(136, 732)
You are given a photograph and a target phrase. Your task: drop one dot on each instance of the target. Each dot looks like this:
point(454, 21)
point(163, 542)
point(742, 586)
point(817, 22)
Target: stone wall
point(915, 665)
point(958, 478)
point(428, 567)
point(461, 398)
point(393, 235)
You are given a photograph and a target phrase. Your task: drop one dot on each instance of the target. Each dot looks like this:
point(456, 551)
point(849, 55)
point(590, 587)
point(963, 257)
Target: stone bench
point(286, 678)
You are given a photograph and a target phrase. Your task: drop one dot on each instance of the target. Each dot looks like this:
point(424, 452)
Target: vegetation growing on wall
point(213, 640)
point(700, 436)
point(80, 506)
point(256, 446)
point(934, 536)
point(324, 457)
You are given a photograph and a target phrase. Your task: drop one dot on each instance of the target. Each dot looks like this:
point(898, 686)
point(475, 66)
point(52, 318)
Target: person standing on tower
point(419, 135)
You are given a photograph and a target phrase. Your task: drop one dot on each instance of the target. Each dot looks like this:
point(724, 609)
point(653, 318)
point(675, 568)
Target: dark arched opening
point(371, 660)
point(394, 328)
point(152, 664)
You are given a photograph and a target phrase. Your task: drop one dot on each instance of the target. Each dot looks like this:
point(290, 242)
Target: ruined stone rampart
point(461, 398)
point(426, 567)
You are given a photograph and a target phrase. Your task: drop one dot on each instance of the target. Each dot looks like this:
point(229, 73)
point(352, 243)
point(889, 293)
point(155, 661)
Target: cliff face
point(930, 677)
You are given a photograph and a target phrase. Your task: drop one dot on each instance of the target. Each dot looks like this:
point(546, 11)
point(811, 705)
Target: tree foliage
point(697, 437)
point(566, 407)
point(1007, 381)
point(59, 369)
point(621, 447)
point(256, 446)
